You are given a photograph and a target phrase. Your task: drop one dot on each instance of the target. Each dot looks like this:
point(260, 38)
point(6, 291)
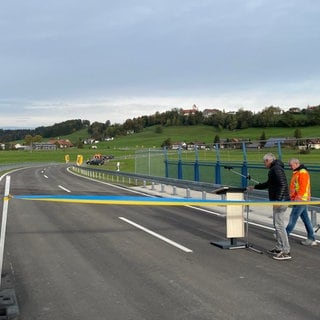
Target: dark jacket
point(277, 183)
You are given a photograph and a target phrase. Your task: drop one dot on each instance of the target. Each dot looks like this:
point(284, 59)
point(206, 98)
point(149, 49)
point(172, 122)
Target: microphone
point(228, 167)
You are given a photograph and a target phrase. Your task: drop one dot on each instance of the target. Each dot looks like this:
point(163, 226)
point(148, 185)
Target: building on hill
point(196, 145)
point(61, 143)
point(273, 142)
point(294, 110)
point(43, 146)
point(19, 146)
point(313, 107)
point(189, 112)
point(209, 112)
point(253, 145)
point(179, 145)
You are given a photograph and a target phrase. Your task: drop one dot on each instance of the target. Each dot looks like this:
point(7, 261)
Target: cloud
point(117, 109)
point(116, 59)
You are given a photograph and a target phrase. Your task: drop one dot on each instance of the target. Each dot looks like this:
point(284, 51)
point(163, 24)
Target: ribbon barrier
point(147, 201)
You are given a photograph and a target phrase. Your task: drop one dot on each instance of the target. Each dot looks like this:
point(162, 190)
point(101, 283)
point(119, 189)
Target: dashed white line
point(63, 188)
point(175, 244)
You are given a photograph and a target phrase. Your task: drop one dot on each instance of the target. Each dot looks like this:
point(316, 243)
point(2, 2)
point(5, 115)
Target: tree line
point(241, 119)
point(56, 130)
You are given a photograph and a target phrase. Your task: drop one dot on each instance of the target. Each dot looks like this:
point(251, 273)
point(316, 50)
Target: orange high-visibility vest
point(300, 189)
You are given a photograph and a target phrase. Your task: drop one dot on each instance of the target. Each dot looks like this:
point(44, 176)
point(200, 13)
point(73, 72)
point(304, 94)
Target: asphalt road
point(89, 261)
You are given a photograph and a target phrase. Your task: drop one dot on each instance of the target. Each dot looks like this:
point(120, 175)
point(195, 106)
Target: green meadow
point(150, 139)
point(141, 153)
point(124, 148)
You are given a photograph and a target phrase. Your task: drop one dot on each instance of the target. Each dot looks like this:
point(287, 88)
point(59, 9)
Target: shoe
point(282, 256)
point(309, 242)
point(274, 251)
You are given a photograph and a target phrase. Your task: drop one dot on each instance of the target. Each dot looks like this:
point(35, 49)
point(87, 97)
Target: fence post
point(279, 149)
point(174, 190)
point(244, 150)
point(166, 163)
point(180, 170)
point(218, 173)
point(179, 165)
point(166, 168)
point(244, 173)
point(196, 171)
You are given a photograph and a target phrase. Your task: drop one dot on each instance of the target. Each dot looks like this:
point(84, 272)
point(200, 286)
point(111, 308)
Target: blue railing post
point(244, 173)
point(180, 169)
point(166, 163)
point(244, 168)
point(217, 166)
point(279, 150)
point(179, 164)
point(217, 152)
point(196, 171)
point(218, 173)
point(244, 150)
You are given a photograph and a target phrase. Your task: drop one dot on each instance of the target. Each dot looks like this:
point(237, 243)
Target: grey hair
point(269, 156)
point(294, 160)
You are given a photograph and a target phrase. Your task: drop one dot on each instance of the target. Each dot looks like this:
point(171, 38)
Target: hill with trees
point(270, 117)
point(58, 129)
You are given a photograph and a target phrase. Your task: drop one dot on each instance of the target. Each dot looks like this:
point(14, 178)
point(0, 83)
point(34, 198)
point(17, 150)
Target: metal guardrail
point(193, 185)
point(132, 178)
point(140, 179)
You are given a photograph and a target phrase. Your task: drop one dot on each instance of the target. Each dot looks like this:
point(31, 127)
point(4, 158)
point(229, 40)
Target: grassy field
point(139, 153)
point(150, 139)
point(124, 148)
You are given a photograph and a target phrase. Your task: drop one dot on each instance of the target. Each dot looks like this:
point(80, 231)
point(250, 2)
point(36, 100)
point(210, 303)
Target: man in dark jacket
point(277, 186)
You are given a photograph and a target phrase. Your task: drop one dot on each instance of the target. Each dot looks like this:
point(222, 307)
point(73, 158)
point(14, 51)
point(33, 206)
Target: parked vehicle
point(96, 161)
point(107, 157)
point(99, 159)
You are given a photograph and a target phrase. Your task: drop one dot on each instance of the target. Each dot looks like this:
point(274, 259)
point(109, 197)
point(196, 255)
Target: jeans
point(300, 211)
point(281, 233)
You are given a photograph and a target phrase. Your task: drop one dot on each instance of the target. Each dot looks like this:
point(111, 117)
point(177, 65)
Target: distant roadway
point(91, 261)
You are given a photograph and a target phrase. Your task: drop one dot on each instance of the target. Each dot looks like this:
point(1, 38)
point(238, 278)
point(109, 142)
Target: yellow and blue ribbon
point(149, 201)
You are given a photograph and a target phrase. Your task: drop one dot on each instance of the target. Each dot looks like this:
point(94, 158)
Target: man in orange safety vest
point(300, 190)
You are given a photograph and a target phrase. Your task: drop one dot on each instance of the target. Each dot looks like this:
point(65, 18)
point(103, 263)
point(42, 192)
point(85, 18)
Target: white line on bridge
point(63, 188)
point(175, 244)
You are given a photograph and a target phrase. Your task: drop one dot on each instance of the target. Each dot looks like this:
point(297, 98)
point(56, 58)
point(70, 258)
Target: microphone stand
point(248, 177)
point(248, 245)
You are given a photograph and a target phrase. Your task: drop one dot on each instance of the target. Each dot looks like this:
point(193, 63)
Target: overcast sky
point(102, 60)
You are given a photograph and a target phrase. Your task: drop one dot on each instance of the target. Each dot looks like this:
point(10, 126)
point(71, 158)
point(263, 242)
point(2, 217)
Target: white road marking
point(195, 208)
point(175, 244)
point(63, 188)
